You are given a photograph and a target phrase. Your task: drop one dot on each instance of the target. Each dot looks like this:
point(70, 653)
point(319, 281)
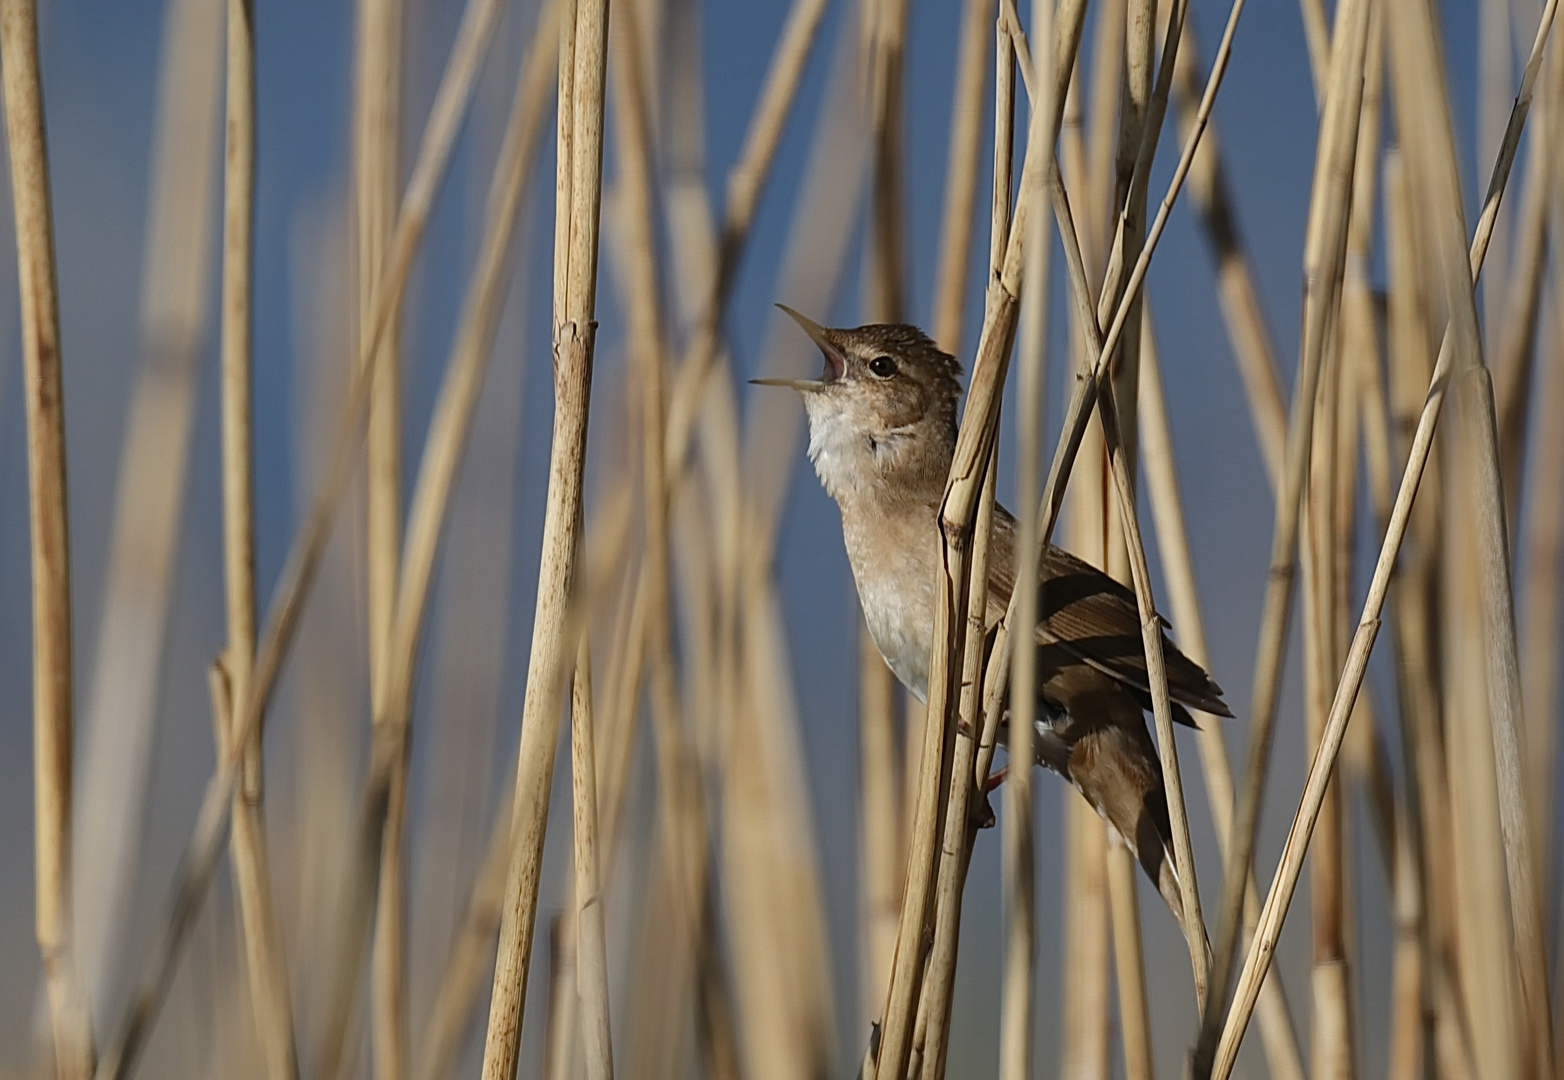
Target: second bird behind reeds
point(882, 432)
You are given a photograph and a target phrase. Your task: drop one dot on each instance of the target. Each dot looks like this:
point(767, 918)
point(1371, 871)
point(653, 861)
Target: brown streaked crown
point(926, 380)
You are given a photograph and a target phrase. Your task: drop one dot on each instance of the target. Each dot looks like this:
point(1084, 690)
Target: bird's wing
point(1094, 618)
point(1088, 617)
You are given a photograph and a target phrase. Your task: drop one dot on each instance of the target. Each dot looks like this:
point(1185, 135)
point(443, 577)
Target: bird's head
point(882, 414)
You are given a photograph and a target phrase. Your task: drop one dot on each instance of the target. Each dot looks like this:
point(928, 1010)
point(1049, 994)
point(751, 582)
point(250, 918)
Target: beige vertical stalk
point(1428, 834)
point(1086, 970)
point(1018, 853)
point(1542, 553)
point(118, 724)
point(1432, 148)
point(70, 1022)
point(931, 1039)
point(1514, 344)
point(578, 187)
point(881, 844)
point(377, 121)
point(884, 301)
point(1129, 209)
point(966, 129)
point(262, 944)
point(591, 950)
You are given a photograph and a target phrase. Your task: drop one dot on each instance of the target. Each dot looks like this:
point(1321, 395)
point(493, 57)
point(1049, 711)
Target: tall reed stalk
point(53, 709)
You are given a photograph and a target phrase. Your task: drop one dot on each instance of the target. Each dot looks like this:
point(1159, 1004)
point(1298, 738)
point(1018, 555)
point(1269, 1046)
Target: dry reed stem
point(880, 847)
point(884, 299)
point(70, 1021)
point(591, 947)
point(1129, 962)
point(469, 959)
point(376, 145)
point(961, 168)
point(1331, 1054)
point(1325, 250)
point(1541, 549)
point(1495, 77)
point(268, 977)
point(149, 491)
point(1425, 787)
point(774, 915)
point(205, 845)
point(583, 48)
point(1018, 852)
point(1276, 1024)
point(1517, 343)
point(1432, 140)
point(1098, 208)
point(680, 805)
point(883, 43)
point(956, 848)
point(1292, 856)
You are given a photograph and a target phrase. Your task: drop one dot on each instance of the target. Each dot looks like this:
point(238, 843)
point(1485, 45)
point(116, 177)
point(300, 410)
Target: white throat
point(843, 456)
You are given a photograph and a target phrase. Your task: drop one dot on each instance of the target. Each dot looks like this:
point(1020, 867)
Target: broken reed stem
point(1274, 911)
point(268, 977)
point(961, 169)
point(1325, 252)
point(583, 51)
point(591, 947)
point(207, 836)
point(70, 1022)
point(376, 145)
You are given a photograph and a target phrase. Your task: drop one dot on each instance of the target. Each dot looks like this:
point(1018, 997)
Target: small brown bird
point(882, 432)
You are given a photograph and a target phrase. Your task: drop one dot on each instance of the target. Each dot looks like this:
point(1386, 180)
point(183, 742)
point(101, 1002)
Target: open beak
point(835, 362)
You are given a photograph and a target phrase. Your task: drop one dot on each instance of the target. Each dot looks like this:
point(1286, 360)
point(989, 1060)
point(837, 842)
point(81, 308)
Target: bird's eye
point(882, 367)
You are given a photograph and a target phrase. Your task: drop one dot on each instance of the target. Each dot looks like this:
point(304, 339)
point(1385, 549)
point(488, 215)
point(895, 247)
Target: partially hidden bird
point(882, 433)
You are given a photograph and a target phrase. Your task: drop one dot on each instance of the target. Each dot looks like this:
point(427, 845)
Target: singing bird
point(882, 432)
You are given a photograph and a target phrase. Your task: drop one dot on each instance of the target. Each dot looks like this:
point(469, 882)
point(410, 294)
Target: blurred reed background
point(396, 714)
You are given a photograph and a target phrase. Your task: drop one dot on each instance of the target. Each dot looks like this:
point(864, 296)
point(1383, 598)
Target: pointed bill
point(835, 362)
